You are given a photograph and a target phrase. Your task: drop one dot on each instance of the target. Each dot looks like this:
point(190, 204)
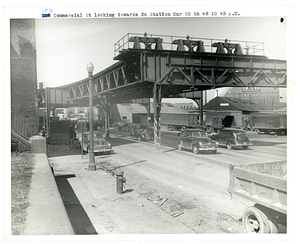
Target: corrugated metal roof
point(131, 108)
point(226, 103)
point(167, 109)
point(135, 108)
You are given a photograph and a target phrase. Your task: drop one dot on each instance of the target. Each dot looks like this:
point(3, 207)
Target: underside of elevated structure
point(165, 66)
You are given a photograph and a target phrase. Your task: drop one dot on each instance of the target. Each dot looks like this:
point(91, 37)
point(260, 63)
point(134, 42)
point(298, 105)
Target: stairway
point(21, 131)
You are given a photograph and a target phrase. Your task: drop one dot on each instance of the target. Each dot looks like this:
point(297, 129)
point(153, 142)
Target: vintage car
point(142, 132)
point(125, 126)
point(234, 137)
point(196, 140)
point(100, 144)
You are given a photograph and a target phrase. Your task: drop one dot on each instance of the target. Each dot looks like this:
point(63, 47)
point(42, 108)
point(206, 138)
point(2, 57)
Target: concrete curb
point(46, 214)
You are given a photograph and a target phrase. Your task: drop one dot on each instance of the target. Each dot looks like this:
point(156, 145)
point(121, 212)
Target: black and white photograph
point(133, 123)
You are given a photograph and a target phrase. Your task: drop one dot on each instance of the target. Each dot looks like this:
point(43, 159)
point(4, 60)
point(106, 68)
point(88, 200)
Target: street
point(202, 178)
point(140, 86)
point(191, 188)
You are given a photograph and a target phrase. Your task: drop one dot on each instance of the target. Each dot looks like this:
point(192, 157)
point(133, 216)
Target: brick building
point(267, 98)
point(23, 72)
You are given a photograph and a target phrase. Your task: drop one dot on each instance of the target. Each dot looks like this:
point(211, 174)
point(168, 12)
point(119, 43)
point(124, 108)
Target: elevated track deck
point(164, 66)
point(181, 68)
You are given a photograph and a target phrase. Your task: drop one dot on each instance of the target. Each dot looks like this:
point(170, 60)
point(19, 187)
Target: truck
point(269, 122)
point(215, 119)
point(265, 185)
point(177, 121)
point(60, 132)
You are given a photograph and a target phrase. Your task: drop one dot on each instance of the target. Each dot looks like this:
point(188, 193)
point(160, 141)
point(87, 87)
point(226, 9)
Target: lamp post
point(45, 129)
point(90, 69)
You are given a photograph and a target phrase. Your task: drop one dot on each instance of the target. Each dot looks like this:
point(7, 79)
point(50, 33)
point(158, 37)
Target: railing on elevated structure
point(200, 63)
point(187, 61)
point(172, 43)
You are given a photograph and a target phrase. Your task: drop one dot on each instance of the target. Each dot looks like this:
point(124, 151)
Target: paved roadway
point(266, 148)
point(204, 177)
point(194, 186)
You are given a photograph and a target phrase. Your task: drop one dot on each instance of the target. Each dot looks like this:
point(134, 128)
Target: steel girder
point(177, 72)
point(200, 78)
point(213, 70)
point(159, 73)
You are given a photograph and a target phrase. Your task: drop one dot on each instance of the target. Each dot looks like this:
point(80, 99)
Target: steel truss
point(213, 70)
point(200, 72)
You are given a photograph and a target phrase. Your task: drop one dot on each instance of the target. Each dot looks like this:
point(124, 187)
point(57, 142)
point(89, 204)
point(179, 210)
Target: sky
point(65, 46)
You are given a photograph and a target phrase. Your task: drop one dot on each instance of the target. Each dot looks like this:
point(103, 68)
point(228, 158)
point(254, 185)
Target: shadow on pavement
point(266, 143)
point(126, 165)
point(170, 150)
point(61, 150)
point(66, 150)
point(119, 141)
point(128, 191)
point(79, 219)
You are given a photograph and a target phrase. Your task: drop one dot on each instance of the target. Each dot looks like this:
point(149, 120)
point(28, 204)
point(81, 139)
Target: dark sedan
point(100, 145)
point(142, 132)
point(233, 137)
point(196, 140)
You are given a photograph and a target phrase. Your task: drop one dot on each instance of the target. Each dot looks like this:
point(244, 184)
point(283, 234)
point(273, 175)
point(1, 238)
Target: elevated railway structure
point(159, 66)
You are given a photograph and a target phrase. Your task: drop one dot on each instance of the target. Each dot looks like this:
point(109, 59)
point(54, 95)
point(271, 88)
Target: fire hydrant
point(119, 178)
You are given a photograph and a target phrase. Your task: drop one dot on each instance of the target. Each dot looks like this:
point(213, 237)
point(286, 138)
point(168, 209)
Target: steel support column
point(199, 102)
point(105, 104)
point(148, 111)
point(106, 112)
point(157, 122)
point(201, 107)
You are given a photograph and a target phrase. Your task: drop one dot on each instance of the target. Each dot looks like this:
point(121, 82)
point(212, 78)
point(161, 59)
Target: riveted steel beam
point(161, 72)
point(131, 78)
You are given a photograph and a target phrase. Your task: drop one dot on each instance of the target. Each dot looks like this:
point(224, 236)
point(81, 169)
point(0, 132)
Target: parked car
point(125, 126)
point(142, 132)
point(100, 144)
point(117, 124)
point(233, 137)
point(196, 140)
point(213, 135)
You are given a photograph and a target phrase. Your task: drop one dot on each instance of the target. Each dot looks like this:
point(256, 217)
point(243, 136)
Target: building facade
point(24, 104)
point(266, 97)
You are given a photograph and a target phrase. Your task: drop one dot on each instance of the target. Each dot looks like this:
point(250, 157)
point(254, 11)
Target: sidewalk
point(107, 211)
point(46, 214)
